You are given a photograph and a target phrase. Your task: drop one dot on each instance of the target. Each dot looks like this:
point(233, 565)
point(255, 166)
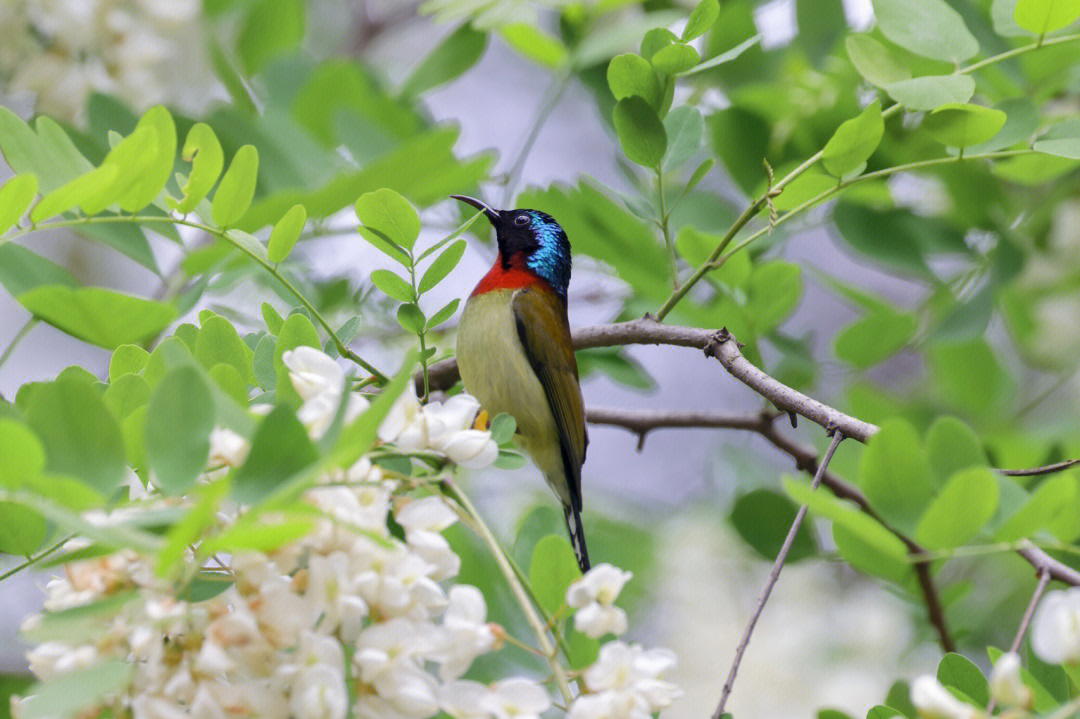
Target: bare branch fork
point(774, 574)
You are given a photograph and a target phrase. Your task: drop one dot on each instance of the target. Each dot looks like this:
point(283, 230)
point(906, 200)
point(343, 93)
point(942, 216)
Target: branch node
point(641, 440)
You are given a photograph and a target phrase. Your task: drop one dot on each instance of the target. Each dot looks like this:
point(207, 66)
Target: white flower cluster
point(62, 50)
point(626, 682)
point(442, 427)
point(336, 619)
point(348, 620)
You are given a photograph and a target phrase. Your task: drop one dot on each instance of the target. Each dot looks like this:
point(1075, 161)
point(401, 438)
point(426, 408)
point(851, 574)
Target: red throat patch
point(499, 278)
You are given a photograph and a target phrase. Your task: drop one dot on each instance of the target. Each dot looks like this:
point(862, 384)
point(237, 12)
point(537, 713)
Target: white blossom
point(227, 447)
point(1055, 628)
point(319, 693)
point(593, 596)
point(465, 632)
point(934, 701)
point(470, 448)
point(1006, 686)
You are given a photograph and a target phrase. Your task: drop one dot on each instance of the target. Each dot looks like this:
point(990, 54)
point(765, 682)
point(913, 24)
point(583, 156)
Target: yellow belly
point(495, 370)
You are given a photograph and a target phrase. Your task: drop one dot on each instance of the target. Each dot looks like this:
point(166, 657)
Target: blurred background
point(352, 92)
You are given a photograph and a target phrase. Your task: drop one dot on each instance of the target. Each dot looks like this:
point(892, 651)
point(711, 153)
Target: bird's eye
point(521, 220)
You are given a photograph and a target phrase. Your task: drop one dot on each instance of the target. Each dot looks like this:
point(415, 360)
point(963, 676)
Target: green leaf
point(1040, 17)
point(69, 694)
point(442, 266)
point(821, 24)
point(24, 457)
point(237, 187)
point(156, 168)
point(271, 28)
point(84, 191)
point(854, 142)
point(675, 58)
point(1052, 507)
point(631, 75)
point(228, 378)
point(552, 570)
point(203, 151)
point(81, 437)
point(969, 376)
point(875, 337)
point(102, 317)
point(1022, 120)
point(393, 286)
point(15, 197)
point(655, 40)
point(959, 125)
point(617, 365)
point(763, 517)
point(1062, 147)
point(964, 505)
point(22, 531)
point(684, 127)
point(451, 58)
point(127, 359)
point(286, 233)
point(535, 44)
point(411, 318)
point(640, 132)
point(701, 19)
point(218, 342)
point(48, 153)
point(280, 449)
point(126, 394)
point(932, 91)
point(959, 672)
point(178, 425)
point(271, 318)
point(248, 243)
point(502, 428)
point(874, 61)
point(263, 364)
point(22, 270)
point(773, 293)
point(862, 541)
point(951, 446)
point(926, 27)
point(895, 475)
point(443, 314)
point(391, 214)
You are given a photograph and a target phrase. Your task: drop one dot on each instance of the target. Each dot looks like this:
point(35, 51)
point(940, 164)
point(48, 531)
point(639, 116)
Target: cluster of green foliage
point(965, 94)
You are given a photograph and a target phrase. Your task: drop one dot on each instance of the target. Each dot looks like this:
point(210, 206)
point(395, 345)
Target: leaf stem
point(516, 588)
point(664, 223)
point(23, 331)
point(817, 199)
point(551, 99)
point(342, 348)
point(30, 561)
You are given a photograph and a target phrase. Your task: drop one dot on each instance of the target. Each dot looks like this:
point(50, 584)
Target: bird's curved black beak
point(490, 212)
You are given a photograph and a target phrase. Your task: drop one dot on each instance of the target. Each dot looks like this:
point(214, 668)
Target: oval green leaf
point(102, 317)
point(177, 433)
point(631, 75)
point(15, 197)
point(675, 58)
point(392, 285)
point(237, 188)
point(443, 265)
point(387, 212)
point(932, 91)
point(854, 142)
point(959, 125)
point(1042, 16)
point(701, 19)
point(286, 233)
point(641, 134)
point(926, 27)
point(874, 61)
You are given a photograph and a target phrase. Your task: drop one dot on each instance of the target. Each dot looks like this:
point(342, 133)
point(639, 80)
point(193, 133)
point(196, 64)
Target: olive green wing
point(545, 335)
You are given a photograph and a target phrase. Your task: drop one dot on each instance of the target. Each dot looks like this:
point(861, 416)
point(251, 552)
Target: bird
point(515, 355)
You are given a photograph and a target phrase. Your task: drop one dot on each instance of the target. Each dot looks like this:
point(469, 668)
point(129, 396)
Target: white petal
point(1055, 629)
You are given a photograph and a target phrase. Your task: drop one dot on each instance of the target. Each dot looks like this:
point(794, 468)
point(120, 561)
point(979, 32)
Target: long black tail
point(577, 536)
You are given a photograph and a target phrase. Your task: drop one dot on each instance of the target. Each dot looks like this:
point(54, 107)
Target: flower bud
point(1055, 630)
point(1006, 686)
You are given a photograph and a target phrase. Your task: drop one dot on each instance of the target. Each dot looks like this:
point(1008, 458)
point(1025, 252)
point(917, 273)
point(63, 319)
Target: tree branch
point(1048, 469)
point(774, 574)
point(1043, 562)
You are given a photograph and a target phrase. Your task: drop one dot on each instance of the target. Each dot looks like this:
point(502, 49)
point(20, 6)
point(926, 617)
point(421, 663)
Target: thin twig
point(1034, 471)
point(838, 436)
point(1044, 580)
point(30, 561)
point(1044, 562)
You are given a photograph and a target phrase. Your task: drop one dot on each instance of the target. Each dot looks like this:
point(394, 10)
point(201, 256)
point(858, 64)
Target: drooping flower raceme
point(1055, 628)
point(346, 619)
